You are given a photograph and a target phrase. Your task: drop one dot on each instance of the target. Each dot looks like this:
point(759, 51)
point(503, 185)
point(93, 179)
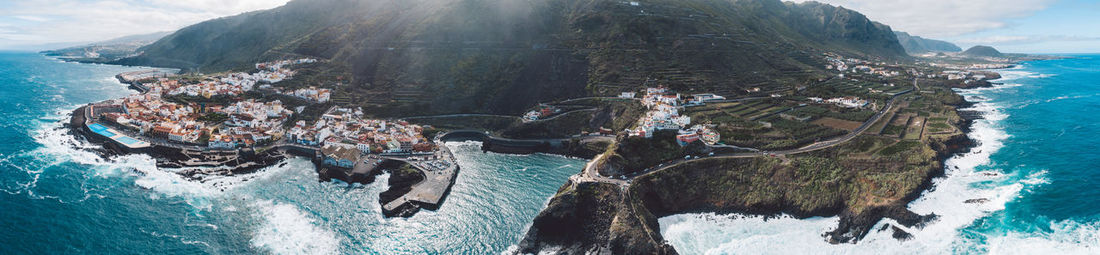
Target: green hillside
point(502, 56)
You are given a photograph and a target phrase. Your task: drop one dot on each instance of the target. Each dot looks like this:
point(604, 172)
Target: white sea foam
point(59, 146)
point(1040, 76)
point(1066, 237)
point(282, 228)
point(287, 230)
point(988, 189)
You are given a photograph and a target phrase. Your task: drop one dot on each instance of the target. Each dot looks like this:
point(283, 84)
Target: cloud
point(42, 22)
point(943, 18)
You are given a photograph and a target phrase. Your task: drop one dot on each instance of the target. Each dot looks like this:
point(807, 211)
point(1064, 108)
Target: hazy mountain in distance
point(983, 51)
point(917, 45)
point(108, 50)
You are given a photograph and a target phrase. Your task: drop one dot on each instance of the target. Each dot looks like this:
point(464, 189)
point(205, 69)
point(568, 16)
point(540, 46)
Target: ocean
point(57, 197)
point(1037, 164)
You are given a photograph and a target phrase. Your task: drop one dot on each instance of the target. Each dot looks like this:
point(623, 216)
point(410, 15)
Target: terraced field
point(778, 134)
point(847, 87)
point(751, 110)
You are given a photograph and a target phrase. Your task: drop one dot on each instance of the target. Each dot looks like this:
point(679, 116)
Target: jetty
point(440, 171)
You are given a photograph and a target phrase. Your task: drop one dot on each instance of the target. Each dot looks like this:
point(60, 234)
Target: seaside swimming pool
point(102, 130)
point(128, 140)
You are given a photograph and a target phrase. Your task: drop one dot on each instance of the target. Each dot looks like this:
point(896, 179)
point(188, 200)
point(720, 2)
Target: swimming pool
point(127, 140)
point(100, 129)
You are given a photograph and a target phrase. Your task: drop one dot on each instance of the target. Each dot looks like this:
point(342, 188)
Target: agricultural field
point(726, 112)
point(776, 133)
point(938, 125)
point(838, 123)
point(915, 128)
point(839, 87)
point(830, 111)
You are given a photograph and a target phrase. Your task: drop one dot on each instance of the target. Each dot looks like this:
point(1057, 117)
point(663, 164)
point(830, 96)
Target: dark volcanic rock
point(400, 182)
point(900, 234)
point(976, 201)
point(591, 218)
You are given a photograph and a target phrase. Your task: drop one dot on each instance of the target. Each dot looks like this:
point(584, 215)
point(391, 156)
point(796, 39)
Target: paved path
point(458, 115)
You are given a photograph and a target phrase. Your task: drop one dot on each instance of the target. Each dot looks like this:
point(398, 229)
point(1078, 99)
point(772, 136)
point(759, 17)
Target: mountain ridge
point(919, 45)
point(440, 56)
point(109, 50)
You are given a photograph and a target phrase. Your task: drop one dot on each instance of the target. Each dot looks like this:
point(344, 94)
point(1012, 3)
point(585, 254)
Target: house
point(161, 131)
point(707, 97)
point(848, 102)
point(687, 138)
point(339, 155)
point(222, 143)
point(177, 136)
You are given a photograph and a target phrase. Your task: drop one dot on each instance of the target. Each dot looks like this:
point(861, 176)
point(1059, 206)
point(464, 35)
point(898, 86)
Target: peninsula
point(235, 123)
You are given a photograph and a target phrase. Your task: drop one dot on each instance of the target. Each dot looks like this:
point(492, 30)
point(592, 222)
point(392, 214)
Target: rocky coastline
point(602, 218)
point(193, 165)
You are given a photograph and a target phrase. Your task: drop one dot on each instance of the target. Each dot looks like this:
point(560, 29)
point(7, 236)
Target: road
point(459, 115)
point(591, 173)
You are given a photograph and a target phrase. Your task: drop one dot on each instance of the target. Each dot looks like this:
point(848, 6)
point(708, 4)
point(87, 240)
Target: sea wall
point(581, 147)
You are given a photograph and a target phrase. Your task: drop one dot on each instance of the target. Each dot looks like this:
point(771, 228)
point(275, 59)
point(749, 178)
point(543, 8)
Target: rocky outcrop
point(401, 181)
point(592, 218)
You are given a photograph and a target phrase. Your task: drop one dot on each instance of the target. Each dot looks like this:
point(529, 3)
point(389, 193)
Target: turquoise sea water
point(1038, 165)
point(58, 198)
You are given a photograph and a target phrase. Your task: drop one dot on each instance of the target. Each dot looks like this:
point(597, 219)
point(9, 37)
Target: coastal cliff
point(862, 182)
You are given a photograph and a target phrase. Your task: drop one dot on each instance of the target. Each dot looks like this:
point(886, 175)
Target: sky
point(1019, 26)
point(49, 24)
point(1023, 26)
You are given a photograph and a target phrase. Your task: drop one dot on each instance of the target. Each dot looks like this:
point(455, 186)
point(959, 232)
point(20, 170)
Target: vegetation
point(483, 57)
point(214, 117)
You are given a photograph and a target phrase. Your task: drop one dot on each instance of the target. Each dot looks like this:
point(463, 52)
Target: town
point(163, 120)
point(154, 118)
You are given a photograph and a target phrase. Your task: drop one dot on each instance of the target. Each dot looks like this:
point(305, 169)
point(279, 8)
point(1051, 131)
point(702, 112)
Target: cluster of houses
point(344, 127)
point(233, 83)
point(250, 122)
point(541, 112)
point(664, 114)
point(276, 71)
point(697, 133)
point(239, 124)
point(961, 75)
point(246, 123)
point(846, 102)
point(858, 66)
point(314, 94)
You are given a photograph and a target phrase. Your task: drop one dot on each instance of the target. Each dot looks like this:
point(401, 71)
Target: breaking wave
point(969, 191)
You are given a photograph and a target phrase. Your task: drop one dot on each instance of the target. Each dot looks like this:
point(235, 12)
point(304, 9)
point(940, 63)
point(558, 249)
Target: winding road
point(591, 174)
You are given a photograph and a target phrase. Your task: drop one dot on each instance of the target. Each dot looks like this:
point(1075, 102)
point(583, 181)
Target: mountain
point(502, 56)
point(983, 51)
point(918, 45)
point(108, 50)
